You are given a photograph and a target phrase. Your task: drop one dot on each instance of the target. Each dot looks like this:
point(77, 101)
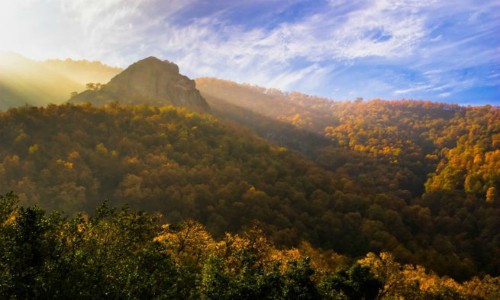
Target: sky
point(439, 50)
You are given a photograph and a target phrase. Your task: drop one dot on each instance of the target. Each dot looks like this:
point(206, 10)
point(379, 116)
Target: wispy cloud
point(389, 48)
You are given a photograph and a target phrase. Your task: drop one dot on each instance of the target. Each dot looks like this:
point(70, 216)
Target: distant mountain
point(27, 82)
point(443, 158)
point(192, 166)
point(24, 81)
point(419, 145)
point(416, 178)
point(82, 71)
point(148, 81)
point(303, 111)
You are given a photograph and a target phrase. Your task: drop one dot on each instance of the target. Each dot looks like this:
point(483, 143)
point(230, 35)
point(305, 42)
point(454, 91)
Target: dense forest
point(231, 191)
point(368, 191)
point(419, 146)
point(440, 157)
point(127, 254)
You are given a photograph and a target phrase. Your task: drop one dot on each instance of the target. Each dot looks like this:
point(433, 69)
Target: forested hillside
point(82, 71)
point(124, 177)
point(126, 254)
point(27, 82)
point(442, 157)
point(402, 146)
point(148, 81)
point(191, 166)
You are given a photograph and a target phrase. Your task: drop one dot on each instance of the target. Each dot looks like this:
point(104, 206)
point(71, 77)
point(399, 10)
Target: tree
point(357, 282)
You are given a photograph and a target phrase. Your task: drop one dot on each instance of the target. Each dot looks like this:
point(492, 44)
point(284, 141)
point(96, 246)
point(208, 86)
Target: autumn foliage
point(127, 254)
point(387, 176)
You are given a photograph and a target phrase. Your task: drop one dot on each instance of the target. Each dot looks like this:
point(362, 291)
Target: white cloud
point(386, 29)
point(415, 88)
point(307, 51)
point(212, 47)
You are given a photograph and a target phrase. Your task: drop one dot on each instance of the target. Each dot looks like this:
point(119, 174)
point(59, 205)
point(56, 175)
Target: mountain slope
point(23, 81)
point(409, 139)
point(82, 71)
point(158, 159)
point(373, 198)
point(148, 81)
point(442, 160)
point(27, 82)
point(195, 166)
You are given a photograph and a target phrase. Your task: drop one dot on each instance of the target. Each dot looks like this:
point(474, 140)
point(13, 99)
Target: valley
point(343, 180)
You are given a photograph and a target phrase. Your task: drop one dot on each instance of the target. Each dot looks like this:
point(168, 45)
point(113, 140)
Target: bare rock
point(148, 81)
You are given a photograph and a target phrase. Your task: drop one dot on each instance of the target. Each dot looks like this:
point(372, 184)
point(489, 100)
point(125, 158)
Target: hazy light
point(337, 49)
point(33, 28)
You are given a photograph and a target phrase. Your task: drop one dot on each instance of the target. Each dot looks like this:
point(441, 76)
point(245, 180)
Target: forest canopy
point(128, 254)
point(190, 166)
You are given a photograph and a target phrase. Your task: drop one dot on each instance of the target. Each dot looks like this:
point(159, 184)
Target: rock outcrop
point(148, 81)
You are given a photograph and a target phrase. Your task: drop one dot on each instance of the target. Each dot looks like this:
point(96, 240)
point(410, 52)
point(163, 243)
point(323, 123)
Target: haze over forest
point(282, 152)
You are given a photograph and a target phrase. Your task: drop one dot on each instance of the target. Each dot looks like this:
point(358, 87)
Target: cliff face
point(148, 81)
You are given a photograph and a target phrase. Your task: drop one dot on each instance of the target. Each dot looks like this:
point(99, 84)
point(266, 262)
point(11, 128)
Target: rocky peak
point(153, 62)
point(149, 81)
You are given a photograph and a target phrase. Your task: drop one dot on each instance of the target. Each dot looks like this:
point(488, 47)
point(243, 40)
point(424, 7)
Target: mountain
point(24, 81)
point(148, 81)
point(410, 141)
point(442, 158)
point(191, 166)
point(185, 165)
point(28, 82)
point(416, 178)
point(302, 111)
point(82, 71)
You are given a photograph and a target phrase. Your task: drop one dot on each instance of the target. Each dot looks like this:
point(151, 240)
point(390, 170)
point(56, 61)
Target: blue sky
point(391, 49)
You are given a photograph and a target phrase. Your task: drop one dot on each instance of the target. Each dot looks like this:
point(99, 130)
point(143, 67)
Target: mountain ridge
point(148, 81)
point(82, 71)
point(24, 81)
point(409, 177)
